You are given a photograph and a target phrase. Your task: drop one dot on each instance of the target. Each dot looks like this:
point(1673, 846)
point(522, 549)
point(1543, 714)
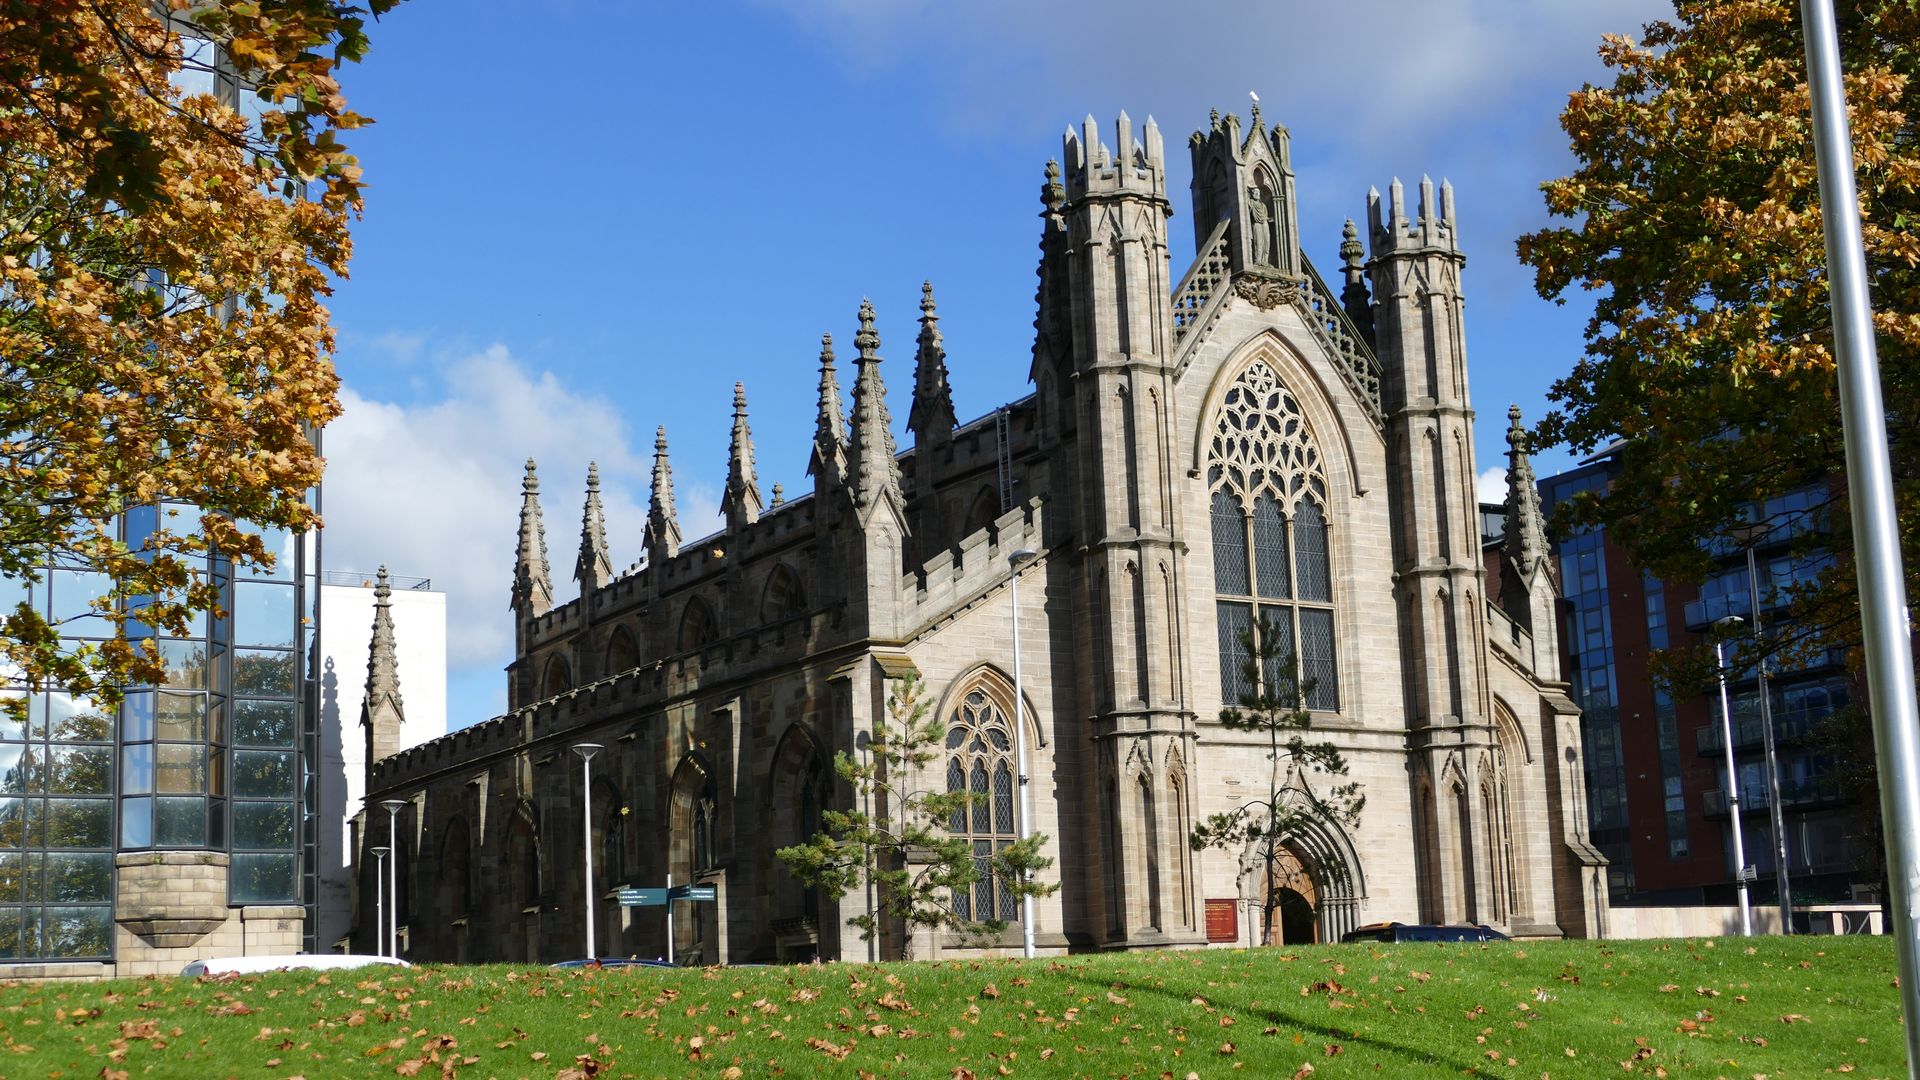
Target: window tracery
point(980, 762)
point(1271, 556)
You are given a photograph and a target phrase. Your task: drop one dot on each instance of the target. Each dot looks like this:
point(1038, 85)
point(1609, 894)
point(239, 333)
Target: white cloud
point(1491, 485)
point(1467, 89)
point(432, 489)
point(1394, 69)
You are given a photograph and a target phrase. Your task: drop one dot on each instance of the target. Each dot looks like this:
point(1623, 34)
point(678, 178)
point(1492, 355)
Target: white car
point(251, 965)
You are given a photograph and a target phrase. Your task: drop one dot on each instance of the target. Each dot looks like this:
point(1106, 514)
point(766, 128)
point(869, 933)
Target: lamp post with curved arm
point(586, 750)
point(1020, 741)
point(1724, 626)
point(379, 900)
point(393, 807)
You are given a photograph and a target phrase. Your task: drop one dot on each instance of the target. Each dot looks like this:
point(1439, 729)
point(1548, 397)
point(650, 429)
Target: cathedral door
point(1294, 922)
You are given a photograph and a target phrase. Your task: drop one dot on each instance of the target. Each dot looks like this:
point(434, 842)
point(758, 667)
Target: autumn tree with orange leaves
point(164, 258)
point(1696, 220)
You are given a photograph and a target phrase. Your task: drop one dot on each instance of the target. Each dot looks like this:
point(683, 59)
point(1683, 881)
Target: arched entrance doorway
point(1291, 900)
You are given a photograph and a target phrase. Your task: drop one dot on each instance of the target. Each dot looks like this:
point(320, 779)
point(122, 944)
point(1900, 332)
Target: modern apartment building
point(1655, 765)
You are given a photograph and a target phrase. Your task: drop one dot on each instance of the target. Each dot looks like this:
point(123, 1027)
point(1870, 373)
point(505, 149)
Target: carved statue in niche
point(1260, 219)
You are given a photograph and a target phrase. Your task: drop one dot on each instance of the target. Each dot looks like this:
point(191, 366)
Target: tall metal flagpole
point(1876, 543)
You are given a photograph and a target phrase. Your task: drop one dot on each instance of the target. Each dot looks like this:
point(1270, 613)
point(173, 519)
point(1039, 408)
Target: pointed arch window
point(698, 627)
point(622, 653)
point(1272, 566)
point(980, 762)
point(456, 869)
point(784, 597)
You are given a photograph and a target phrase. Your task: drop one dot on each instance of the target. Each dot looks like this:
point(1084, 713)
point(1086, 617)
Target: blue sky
point(586, 218)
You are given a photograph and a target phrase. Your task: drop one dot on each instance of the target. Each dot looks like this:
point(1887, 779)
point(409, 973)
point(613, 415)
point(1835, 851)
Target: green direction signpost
point(659, 897)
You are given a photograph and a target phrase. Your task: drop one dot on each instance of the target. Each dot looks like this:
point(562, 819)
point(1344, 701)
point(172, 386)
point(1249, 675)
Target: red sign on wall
point(1223, 920)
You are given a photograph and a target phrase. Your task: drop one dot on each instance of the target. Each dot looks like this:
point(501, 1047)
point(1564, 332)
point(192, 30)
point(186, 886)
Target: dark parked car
point(612, 962)
point(1394, 931)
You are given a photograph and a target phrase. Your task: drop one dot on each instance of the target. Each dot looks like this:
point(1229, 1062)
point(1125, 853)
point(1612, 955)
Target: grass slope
point(1771, 1007)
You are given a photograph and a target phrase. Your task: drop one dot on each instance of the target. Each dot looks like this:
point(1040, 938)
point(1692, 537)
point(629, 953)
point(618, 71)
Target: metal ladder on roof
point(1003, 431)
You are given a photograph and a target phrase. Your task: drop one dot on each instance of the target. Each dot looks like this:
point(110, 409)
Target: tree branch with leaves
point(1273, 704)
point(165, 252)
point(897, 838)
point(1693, 220)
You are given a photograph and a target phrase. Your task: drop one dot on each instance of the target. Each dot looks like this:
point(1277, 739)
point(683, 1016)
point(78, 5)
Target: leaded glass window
point(980, 763)
point(1273, 578)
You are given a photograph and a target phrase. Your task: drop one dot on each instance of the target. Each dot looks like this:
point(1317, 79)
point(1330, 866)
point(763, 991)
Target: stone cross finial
point(381, 711)
point(829, 459)
point(872, 471)
point(1352, 255)
point(867, 339)
point(931, 418)
point(1053, 193)
point(594, 567)
point(1354, 296)
point(741, 502)
point(532, 577)
point(663, 525)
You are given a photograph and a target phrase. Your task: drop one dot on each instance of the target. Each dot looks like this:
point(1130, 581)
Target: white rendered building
point(419, 615)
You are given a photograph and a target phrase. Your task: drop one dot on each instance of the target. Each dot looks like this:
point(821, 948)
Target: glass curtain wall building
point(212, 759)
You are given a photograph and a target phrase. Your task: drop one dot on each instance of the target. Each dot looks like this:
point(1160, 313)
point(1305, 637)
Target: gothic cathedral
point(1235, 453)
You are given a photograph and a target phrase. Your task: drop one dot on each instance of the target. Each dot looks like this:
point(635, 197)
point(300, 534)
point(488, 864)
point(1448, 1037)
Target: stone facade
point(1197, 452)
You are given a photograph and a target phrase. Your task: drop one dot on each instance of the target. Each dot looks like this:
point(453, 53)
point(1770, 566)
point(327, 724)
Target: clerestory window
point(1273, 581)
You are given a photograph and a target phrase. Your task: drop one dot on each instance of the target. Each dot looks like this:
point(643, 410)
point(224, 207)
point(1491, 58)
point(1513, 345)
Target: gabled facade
point(1238, 448)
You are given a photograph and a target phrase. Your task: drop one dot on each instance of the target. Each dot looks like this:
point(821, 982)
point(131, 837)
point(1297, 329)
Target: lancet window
point(980, 762)
point(1272, 573)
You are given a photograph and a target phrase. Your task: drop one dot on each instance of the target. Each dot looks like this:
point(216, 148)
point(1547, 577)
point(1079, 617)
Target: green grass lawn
point(1771, 1007)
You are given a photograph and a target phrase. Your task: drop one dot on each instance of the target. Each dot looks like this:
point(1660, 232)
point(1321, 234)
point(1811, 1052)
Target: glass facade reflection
point(214, 757)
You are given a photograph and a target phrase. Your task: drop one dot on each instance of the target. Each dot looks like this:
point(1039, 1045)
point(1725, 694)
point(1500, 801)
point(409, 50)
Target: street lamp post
point(1777, 814)
point(1733, 778)
point(379, 900)
point(392, 807)
point(1020, 739)
point(586, 750)
point(862, 742)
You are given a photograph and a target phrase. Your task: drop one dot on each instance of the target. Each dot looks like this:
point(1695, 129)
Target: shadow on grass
point(1421, 1056)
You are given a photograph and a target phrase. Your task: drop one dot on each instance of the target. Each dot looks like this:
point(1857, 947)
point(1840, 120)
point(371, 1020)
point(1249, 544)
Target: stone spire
point(1526, 539)
point(931, 418)
point(381, 712)
point(829, 460)
point(663, 525)
point(594, 567)
point(1354, 297)
point(741, 502)
point(873, 474)
point(532, 579)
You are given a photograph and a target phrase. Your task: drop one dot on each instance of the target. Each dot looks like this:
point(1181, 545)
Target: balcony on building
point(1795, 795)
